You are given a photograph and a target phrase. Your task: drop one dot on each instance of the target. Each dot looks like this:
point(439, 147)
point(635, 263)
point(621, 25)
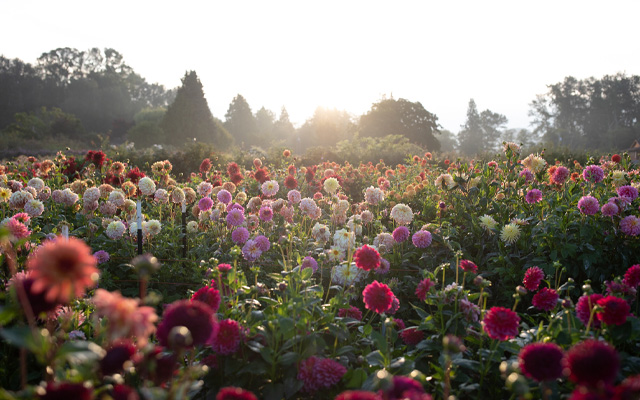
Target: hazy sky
point(345, 54)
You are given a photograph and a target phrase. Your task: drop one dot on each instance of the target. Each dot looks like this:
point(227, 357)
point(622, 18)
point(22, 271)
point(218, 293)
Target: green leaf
point(355, 378)
point(376, 358)
point(80, 352)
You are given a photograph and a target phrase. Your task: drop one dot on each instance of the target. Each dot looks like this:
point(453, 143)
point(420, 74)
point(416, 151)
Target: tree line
point(78, 94)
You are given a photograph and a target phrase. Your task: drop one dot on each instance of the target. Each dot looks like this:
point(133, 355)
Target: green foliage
point(240, 122)
point(45, 123)
point(481, 131)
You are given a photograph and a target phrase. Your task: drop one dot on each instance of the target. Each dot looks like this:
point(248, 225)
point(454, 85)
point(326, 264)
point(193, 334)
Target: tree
point(481, 131)
point(45, 123)
point(448, 140)
point(265, 121)
point(326, 128)
point(403, 117)
point(189, 118)
point(147, 130)
point(240, 122)
point(283, 129)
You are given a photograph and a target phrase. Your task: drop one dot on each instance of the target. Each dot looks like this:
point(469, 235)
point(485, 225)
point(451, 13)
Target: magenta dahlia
point(209, 296)
point(533, 196)
point(400, 234)
point(632, 276)
point(227, 340)
point(501, 323)
point(532, 278)
point(235, 393)
point(468, 266)
point(630, 225)
point(377, 297)
point(588, 205)
point(592, 362)
point(546, 299)
point(367, 258)
point(194, 315)
point(412, 336)
point(358, 395)
point(318, 373)
point(614, 310)
point(423, 288)
point(541, 361)
point(352, 312)
point(421, 239)
point(583, 309)
point(593, 174)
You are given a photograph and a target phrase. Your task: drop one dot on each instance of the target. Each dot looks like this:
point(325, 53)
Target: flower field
point(514, 278)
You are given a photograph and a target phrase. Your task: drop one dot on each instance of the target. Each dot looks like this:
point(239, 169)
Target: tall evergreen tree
point(240, 122)
point(189, 118)
point(283, 129)
point(481, 131)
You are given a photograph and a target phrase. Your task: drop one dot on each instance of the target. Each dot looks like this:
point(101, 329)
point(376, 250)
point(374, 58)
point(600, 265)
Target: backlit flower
point(209, 296)
point(630, 225)
point(377, 297)
point(501, 323)
point(510, 233)
point(421, 239)
point(402, 214)
point(614, 310)
point(593, 174)
point(127, 319)
point(270, 188)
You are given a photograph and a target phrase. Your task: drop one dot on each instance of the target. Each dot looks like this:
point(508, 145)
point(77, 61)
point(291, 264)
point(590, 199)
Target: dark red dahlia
point(468, 266)
point(233, 168)
point(124, 392)
point(205, 166)
point(583, 309)
point(235, 393)
point(158, 365)
point(423, 288)
point(592, 362)
point(358, 395)
point(310, 174)
point(135, 175)
point(632, 276)
point(352, 312)
point(501, 323)
point(38, 302)
point(290, 182)
point(320, 373)
point(532, 278)
point(96, 157)
point(412, 336)
point(541, 361)
point(117, 355)
point(546, 299)
point(616, 158)
point(402, 387)
point(291, 169)
point(194, 315)
point(377, 297)
point(367, 258)
point(227, 340)
point(614, 310)
point(209, 296)
point(66, 391)
point(261, 175)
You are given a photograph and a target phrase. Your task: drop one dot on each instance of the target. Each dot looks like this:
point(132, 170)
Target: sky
point(345, 54)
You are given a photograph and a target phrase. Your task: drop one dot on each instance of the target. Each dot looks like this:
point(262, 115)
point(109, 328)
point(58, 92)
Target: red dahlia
point(367, 258)
point(468, 266)
point(423, 288)
point(290, 182)
point(532, 278)
point(377, 297)
point(209, 296)
point(614, 310)
point(632, 276)
point(194, 315)
point(227, 340)
point(412, 336)
point(541, 361)
point(358, 395)
point(501, 323)
point(592, 362)
point(584, 307)
point(546, 299)
point(235, 393)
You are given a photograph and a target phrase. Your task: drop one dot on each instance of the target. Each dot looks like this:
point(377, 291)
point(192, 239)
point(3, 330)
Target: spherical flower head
point(610, 209)
point(384, 267)
point(533, 196)
point(592, 362)
point(194, 315)
point(501, 323)
point(265, 213)
point(629, 192)
point(583, 309)
point(63, 269)
point(560, 175)
point(352, 312)
point(310, 262)
point(116, 356)
point(235, 393)
point(358, 395)
point(209, 296)
point(320, 373)
point(423, 288)
point(101, 256)
point(412, 336)
point(263, 243)
point(251, 251)
point(588, 205)
point(546, 299)
point(402, 214)
point(205, 204)
point(331, 185)
point(630, 225)
point(178, 196)
point(36, 183)
point(235, 217)
point(377, 297)
point(593, 174)
point(400, 234)
point(227, 340)
point(115, 230)
point(541, 361)
point(127, 319)
point(224, 196)
point(468, 266)
point(614, 310)
point(147, 186)
point(510, 233)
point(240, 235)
point(527, 175)
point(294, 196)
point(404, 387)
point(270, 188)
point(367, 258)
point(616, 158)
point(421, 239)
point(488, 223)
point(632, 276)
point(532, 278)
point(34, 208)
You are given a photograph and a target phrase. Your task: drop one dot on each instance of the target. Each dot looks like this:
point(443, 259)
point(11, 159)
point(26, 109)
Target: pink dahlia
point(546, 299)
point(412, 336)
point(235, 393)
point(501, 323)
point(610, 209)
point(17, 230)
point(227, 340)
point(240, 235)
point(614, 310)
point(593, 174)
point(527, 175)
point(629, 192)
point(367, 258)
point(224, 267)
point(224, 196)
point(262, 242)
point(592, 362)
point(468, 266)
point(194, 315)
point(421, 239)
point(205, 204)
point(235, 217)
point(541, 361)
point(265, 213)
point(318, 373)
point(532, 278)
point(630, 225)
point(310, 262)
point(423, 288)
point(533, 196)
point(358, 395)
point(377, 297)
point(352, 312)
point(583, 309)
point(588, 205)
point(400, 234)
point(209, 296)
point(632, 276)
point(560, 175)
